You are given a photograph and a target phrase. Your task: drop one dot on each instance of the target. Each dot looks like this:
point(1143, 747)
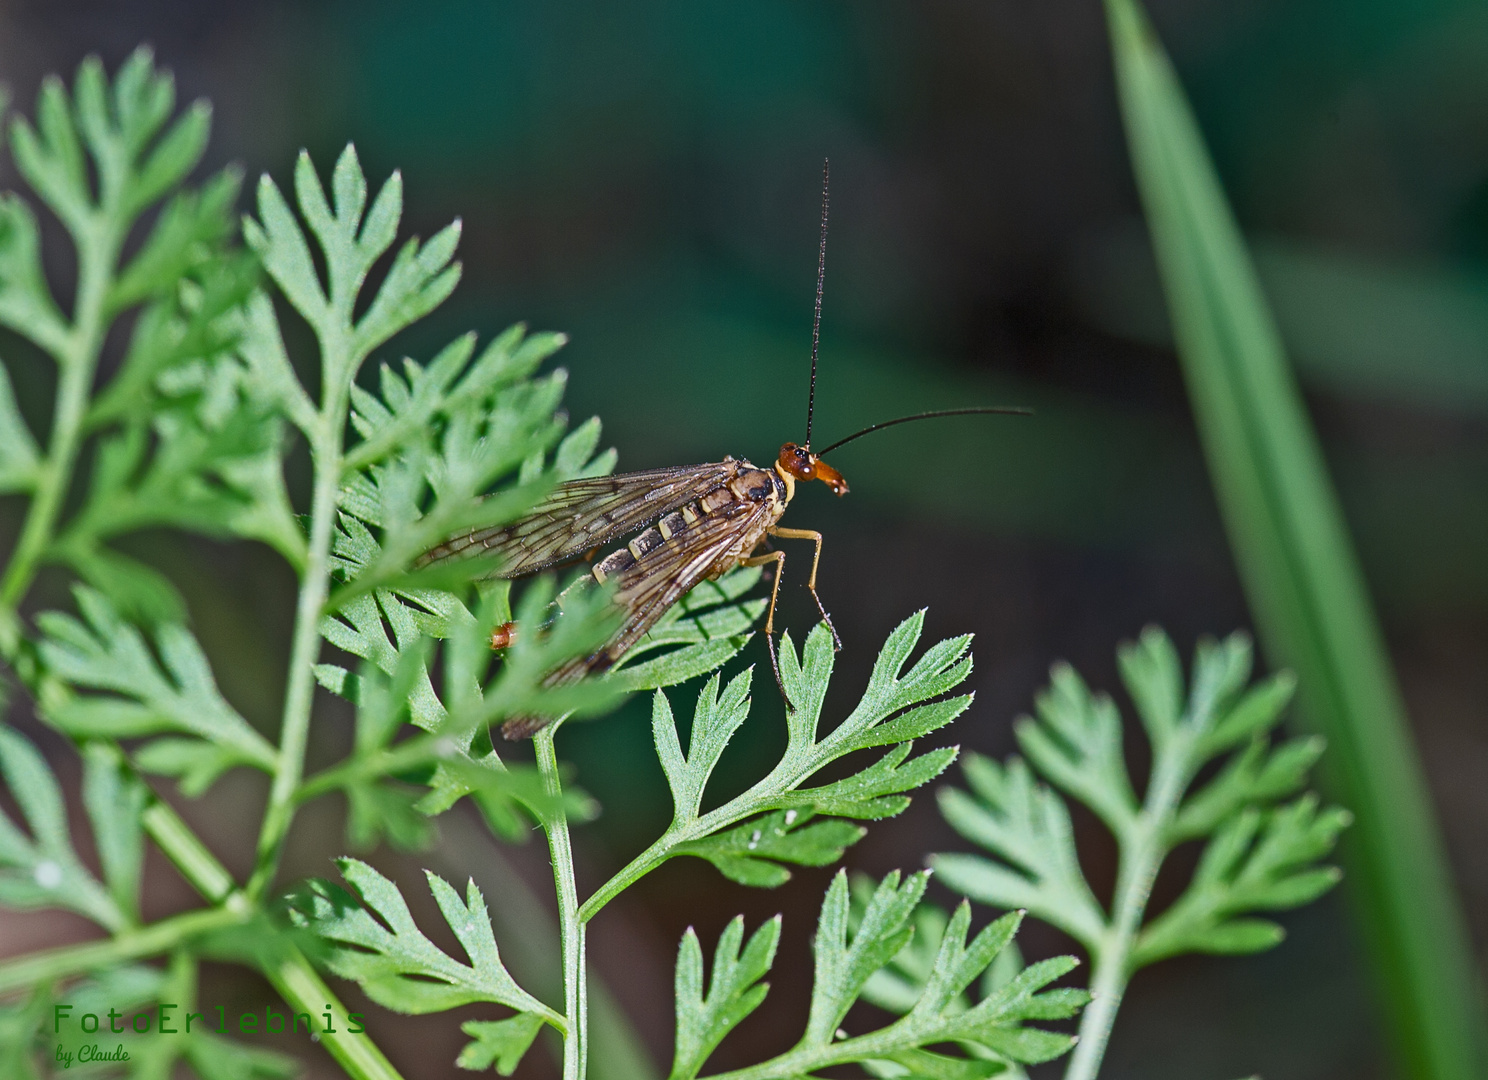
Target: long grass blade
point(1298, 565)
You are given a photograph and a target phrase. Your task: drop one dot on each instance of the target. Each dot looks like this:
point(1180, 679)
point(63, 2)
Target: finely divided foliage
point(189, 430)
point(851, 948)
point(748, 837)
point(1261, 851)
point(779, 820)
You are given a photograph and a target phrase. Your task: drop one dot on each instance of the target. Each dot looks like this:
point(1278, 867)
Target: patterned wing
point(652, 584)
point(581, 515)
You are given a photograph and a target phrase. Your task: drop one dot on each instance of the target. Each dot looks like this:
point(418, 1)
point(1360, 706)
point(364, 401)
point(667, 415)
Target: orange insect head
point(802, 464)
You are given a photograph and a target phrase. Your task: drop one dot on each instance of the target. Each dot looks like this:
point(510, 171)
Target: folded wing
point(581, 515)
point(650, 585)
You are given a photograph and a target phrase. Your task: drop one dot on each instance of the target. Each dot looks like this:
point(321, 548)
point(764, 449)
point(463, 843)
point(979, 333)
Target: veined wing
point(665, 575)
point(651, 585)
point(581, 515)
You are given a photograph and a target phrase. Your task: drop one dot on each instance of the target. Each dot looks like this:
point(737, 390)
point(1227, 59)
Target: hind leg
point(778, 558)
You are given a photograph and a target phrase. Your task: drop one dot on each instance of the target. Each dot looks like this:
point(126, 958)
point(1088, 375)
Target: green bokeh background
point(645, 177)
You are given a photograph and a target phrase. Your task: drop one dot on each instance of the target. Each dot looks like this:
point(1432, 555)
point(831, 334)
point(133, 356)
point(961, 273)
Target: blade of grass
point(1299, 568)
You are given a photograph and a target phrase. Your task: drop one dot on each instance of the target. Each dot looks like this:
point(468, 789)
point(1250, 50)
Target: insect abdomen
point(613, 563)
point(671, 528)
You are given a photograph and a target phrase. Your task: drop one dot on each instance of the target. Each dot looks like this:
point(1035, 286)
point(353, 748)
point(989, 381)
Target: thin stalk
point(808, 1059)
point(1143, 848)
point(1301, 572)
point(758, 798)
point(754, 800)
point(289, 971)
point(422, 750)
point(294, 732)
point(304, 990)
point(189, 855)
point(50, 965)
point(570, 925)
point(793, 770)
point(77, 365)
point(633, 871)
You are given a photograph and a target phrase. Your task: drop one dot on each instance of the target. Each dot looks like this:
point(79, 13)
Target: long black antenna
point(821, 277)
point(1005, 410)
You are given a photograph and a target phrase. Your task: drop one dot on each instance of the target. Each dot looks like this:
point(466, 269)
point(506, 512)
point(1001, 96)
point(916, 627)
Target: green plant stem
point(806, 1060)
point(289, 971)
point(421, 750)
point(793, 770)
point(570, 925)
point(294, 732)
point(52, 964)
point(304, 990)
point(1143, 847)
point(528, 933)
point(758, 799)
point(636, 869)
point(77, 363)
point(186, 851)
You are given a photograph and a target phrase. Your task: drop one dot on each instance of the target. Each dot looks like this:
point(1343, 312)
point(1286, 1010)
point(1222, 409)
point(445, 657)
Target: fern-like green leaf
point(43, 869)
point(499, 1043)
point(379, 946)
point(734, 990)
point(141, 695)
point(1260, 855)
point(855, 944)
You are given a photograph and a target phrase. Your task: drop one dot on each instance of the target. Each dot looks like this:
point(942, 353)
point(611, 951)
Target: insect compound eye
point(797, 461)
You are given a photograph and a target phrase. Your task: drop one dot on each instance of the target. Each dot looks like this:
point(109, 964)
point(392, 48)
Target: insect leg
point(778, 558)
point(808, 534)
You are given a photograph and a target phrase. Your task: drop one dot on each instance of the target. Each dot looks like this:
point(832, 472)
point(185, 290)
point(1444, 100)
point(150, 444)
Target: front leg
point(808, 534)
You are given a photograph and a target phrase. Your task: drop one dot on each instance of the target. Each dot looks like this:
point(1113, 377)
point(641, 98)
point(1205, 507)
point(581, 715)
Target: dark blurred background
point(646, 177)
